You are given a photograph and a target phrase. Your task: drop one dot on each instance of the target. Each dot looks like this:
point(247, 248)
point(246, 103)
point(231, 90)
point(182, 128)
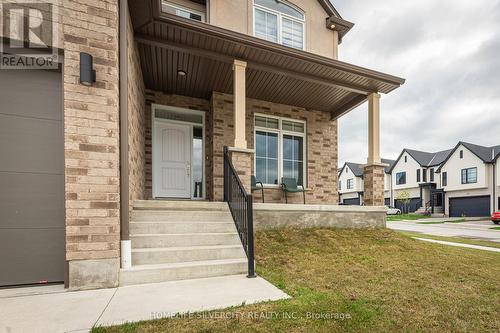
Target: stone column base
point(374, 185)
point(242, 160)
point(94, 274)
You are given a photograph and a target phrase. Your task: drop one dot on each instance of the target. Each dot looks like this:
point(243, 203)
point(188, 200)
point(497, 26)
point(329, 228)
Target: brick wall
point(374, 185)
point(321, 143)
point(136, 122)
point(156, 97)
point(91, 130)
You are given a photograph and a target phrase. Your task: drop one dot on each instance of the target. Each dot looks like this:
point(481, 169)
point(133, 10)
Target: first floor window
point(469, 176)
point(350, 184)
point(279, 150)
point(401, 178)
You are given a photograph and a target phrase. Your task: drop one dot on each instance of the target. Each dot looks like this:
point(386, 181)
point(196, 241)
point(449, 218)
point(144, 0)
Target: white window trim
point(280, 22)
point(186, 9)
point(350, 182)
point(280, 133)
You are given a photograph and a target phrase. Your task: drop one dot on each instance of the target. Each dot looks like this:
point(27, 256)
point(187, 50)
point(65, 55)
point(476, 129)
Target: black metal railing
point(241, 207)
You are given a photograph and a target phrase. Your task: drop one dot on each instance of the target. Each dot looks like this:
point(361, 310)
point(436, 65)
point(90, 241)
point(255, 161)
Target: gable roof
point(425, 159)
point(329, 8)
point(389, 163)
point(358, 168)
point(485, 154)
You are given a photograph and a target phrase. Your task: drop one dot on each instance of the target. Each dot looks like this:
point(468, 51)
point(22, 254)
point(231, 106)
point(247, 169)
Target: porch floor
point(78, 311)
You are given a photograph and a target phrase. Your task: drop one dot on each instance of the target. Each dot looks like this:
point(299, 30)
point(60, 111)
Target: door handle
point(188, 169)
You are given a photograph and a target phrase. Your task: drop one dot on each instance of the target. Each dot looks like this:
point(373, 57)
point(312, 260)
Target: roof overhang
point(275, 73)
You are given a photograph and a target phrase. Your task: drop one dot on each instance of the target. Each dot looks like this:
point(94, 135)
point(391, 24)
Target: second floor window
point(424, 175)
point(418, 175)
point(173, 8)
point(350, 184)
point(279, 22)
point(401, 178)
point(469, 176)
point(445, 178)
point(432, 174)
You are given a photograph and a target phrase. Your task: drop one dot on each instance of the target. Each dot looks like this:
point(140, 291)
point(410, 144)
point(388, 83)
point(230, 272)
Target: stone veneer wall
point(136, 122)
point(156, 97)
point(91, 133)
point(374, 185)
point(321, 141)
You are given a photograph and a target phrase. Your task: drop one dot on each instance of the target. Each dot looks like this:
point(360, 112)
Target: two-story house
point(469, 179)
point(414, 175)
point(131, 161)
point(351, 183)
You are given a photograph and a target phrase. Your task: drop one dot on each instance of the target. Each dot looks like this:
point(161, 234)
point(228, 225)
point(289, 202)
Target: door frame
point(154, 120)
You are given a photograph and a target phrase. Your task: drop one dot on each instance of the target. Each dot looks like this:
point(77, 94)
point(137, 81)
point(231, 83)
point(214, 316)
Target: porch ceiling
point(275, 73)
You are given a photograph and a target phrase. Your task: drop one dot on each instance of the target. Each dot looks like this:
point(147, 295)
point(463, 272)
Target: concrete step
point(150, 256)
point(180, 216)
point(179, 205)
point(180, 227)
point(181, 271)
point(140, 241)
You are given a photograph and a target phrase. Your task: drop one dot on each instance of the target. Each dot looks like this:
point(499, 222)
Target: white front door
point(171, 160)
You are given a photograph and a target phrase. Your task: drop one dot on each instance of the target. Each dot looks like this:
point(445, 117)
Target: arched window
point(279, 22)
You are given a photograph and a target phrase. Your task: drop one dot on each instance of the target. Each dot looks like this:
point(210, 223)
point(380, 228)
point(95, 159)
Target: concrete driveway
point(480, 230)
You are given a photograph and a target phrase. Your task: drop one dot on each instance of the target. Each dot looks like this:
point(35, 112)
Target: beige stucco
point(318, 39)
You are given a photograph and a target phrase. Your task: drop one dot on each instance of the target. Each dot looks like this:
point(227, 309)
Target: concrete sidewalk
point(55, 310)
point(469, 246)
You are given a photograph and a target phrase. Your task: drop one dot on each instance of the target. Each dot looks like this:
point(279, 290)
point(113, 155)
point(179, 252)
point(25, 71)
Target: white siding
point(455, 188)
point(410, 167)
point(347, 174)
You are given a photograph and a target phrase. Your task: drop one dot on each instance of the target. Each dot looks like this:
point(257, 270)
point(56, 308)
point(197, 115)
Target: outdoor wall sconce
point(87, 72)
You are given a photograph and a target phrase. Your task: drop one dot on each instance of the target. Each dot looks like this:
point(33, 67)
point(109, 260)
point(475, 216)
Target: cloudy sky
point(449, 53)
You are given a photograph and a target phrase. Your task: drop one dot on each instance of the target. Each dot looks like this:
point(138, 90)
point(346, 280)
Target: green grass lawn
point(406, 217)
point(495, 228)
point(378, 281)
point(453, 239)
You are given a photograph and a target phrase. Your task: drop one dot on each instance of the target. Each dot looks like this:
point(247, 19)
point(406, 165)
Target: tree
point(404, 198)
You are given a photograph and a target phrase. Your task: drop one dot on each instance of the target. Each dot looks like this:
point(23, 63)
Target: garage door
point(413, 205)
point(352, 202)
point(470, 206)
point(31, 177)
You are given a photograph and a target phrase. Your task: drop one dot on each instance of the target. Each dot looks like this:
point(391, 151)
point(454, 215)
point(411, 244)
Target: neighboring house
point(469, 180)
point(351, 184)
point(84, 157)
point(414, 172)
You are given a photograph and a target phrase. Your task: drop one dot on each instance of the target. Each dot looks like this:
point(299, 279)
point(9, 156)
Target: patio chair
point(257, 186)
point(289, 185)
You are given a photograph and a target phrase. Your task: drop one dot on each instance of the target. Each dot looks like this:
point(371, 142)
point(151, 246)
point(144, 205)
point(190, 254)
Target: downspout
point(125, 244)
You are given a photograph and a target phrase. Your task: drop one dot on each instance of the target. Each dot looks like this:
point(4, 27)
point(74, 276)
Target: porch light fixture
point(180, 72)
point(87, 72)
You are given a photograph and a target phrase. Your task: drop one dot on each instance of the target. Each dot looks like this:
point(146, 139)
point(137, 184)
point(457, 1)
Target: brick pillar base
point(374, 185)
point(242, 160)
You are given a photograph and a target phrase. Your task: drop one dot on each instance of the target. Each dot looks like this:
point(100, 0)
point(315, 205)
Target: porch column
point(241, 156)
point(239, 103)
point(374, 169)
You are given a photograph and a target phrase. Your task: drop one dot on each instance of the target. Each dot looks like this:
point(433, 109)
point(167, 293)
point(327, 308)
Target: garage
point(32, 234)
point(470, 206)
point(352, 202)
point(411, 207)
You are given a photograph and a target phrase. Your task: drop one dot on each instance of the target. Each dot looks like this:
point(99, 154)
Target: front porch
point(194, 89)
